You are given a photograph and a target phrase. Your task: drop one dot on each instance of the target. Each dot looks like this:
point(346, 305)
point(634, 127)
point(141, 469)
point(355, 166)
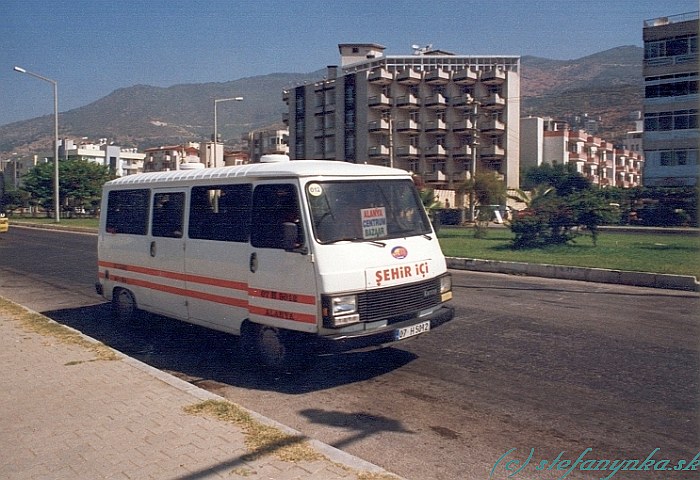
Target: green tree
point(562, 206)
point(80, 183)
point(14, 199)
point(431, 204)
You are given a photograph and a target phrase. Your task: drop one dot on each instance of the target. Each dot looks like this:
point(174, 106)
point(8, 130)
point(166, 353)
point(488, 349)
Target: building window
point(674, 158)
point(665, 121)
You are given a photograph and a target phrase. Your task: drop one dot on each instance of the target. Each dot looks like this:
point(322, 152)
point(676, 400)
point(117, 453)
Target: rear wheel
point(124, 306)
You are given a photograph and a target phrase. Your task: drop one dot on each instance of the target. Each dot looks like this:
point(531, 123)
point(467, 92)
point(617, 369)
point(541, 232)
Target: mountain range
point(607, 86)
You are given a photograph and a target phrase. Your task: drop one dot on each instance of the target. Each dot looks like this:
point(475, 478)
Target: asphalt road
point(538, 365)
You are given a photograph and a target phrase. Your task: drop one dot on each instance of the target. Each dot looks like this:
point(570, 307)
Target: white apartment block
point(545, 141)
point(439, 115)
point(671, 132)
point(120, 161)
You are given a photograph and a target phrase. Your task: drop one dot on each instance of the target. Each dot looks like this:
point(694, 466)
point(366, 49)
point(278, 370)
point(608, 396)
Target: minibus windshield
point(368, 210)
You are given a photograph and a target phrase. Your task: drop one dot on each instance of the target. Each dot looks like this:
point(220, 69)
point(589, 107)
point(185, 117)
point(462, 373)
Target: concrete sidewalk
point(73, 408)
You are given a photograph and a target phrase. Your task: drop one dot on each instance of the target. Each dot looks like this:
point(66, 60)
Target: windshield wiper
point(356, 240)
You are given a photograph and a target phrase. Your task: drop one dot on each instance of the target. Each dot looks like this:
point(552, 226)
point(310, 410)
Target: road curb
point(565, 272)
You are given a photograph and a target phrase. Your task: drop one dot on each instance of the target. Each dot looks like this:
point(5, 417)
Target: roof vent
point(277, 158)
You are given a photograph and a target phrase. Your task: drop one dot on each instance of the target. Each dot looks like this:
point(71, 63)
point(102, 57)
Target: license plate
point(413, 330)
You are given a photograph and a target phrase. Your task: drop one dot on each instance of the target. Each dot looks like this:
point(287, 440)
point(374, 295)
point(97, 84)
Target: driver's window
point(273, 206)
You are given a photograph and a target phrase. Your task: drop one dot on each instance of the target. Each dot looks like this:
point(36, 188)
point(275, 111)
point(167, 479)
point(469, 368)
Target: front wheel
point(273, 348)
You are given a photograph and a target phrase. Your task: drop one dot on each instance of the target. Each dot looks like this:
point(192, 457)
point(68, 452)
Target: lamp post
point(216, 133)
point(56, 201)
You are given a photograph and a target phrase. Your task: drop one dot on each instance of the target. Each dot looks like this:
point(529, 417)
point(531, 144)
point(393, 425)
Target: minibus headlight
point(343, 305)
point(340, 310)
point(446, 287)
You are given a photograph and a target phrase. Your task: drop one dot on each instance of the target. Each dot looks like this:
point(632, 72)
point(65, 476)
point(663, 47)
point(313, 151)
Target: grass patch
point(639, 252)
point(65, 222)
point(264, 440)
point(261, 439)
point(37, 323)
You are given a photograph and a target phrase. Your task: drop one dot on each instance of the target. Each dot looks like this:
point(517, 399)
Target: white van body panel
point(221, 284)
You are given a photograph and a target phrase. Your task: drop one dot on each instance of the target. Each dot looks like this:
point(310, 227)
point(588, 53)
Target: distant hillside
point(608, 85)
point(147, 116)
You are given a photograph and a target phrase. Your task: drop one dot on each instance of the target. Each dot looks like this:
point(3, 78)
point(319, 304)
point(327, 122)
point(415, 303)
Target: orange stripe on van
point(215, 282)
point(282, 296)
point(282, 315)
point(221, 299)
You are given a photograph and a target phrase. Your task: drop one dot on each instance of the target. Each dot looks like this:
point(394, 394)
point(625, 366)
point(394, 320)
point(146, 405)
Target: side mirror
point(291, 237)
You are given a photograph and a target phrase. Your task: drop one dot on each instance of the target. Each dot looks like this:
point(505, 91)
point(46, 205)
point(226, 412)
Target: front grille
point(399, 302)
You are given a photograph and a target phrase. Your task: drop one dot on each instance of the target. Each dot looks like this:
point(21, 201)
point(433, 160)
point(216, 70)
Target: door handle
point(153, 248)
point(253, 264)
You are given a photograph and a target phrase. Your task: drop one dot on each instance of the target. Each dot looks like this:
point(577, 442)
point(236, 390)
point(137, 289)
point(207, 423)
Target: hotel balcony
point(408, 101)
point(409, 76)
point(379, 151)
point(378, 126)
point(380, 76)
point(407, 151)
point(464, 100)
point(437, 77)
point(435, 177)
point(577, 157)
point(436, 126)
point(492, 151)
point(493, 77)
point(379, 101)
point(493, 102)
point(463, 151)
point(492, 127)
point(465, 77)
point(436, 151)
point(464, 125)
point(408, 126)
point(459, 176)
point(436, 101)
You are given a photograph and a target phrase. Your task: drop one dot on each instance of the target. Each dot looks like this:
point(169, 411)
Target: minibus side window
point(273, 206)
point(127, 211)
point(168, 209)
point(220, 213)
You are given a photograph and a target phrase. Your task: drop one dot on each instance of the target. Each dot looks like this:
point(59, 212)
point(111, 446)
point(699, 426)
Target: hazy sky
point(92, 48)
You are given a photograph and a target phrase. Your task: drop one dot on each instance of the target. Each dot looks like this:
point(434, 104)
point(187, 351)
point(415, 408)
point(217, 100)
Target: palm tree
point(533, 197)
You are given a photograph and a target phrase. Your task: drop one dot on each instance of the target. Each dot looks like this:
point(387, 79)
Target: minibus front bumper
point(380, 337)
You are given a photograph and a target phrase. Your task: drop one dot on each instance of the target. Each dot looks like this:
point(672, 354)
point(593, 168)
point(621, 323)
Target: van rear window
point(127, 211)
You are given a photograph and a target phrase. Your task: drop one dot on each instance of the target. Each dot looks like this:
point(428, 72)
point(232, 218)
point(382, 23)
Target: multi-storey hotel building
point(439, 115)
point(671, 98)
point(546, 141)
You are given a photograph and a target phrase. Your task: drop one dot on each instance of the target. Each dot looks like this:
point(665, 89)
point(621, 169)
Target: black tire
point(124, 307)
point(274, 349)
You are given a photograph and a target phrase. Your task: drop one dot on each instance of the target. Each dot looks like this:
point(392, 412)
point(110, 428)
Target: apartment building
point(440, 115)
point(546, 141)
point(120, 161)
point(173, 157)
point(671, 98)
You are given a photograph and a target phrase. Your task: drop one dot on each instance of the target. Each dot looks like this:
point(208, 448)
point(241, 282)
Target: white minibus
point(297, 257)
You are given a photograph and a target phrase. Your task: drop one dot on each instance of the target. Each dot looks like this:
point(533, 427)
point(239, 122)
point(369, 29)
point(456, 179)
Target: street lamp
point(56, 202)
point(216, 133)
